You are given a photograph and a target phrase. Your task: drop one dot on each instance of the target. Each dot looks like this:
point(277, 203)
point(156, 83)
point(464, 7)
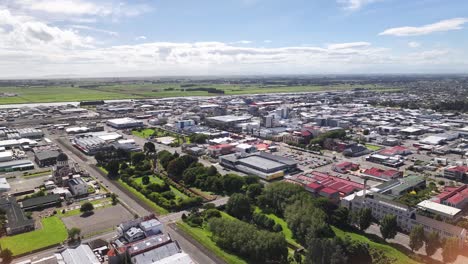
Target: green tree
point(364, 218)
point(138, 158)
point(278, 195)
point(232, 183)
point(432, 243)
point(114, 198)
point(254, 190)
point(87, 207)
point(340, 217)
point(113, 168)
point(74, 234)
point(416, 238)
point(450, 250)
point(239, 206)
point(149, 147)
point(145, 180)
point(6, 255)
point(389, 226)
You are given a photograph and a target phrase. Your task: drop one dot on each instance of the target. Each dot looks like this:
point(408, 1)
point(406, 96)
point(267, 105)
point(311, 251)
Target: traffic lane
point(110, 185)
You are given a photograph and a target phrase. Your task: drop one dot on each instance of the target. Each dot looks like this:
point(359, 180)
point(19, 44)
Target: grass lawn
point(158, 180)
point(387, 249)
point(203, 236)
point(37, 174)
point(157, 209)
point(286, 231)
point(373, 147)
point(144, 133)
point(53, 232)
point(36, 94)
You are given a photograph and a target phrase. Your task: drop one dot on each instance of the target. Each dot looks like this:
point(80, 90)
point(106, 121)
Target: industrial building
point(123, 123)
point(262, 164)
point(17, 222)
point(16, 165)
point(46, 157)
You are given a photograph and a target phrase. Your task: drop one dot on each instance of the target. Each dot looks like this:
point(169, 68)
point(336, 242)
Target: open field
point(390, 251)
point(42, 94)
point(373, 147)
point(102, 219)
point(53, 232)
point(203, 236)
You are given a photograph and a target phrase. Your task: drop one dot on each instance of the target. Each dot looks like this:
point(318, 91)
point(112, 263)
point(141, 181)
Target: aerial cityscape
point(247, 131)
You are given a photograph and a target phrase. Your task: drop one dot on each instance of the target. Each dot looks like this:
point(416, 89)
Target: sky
point(126, 38)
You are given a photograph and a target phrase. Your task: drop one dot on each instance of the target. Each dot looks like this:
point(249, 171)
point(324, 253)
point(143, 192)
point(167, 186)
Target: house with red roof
point(345, 167)
point(381, 174)
point(454, 196)
point(396, 150)
point(325, 185)
point(456, 172)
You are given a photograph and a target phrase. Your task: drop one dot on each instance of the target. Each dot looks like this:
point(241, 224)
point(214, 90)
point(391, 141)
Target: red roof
point(462, 169)
point(220, 146)
point(393, 151)
point(315, 186)
point(328, 190)
point(376, 172)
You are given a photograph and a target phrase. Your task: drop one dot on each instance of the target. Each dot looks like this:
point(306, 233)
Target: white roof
point(122, 121)
point(433, 140)
point(4, 185)
point(6, 154)
point(440, 208)
point(179, 258)
point(411, 129)
point(80, 255)
point(243, 146)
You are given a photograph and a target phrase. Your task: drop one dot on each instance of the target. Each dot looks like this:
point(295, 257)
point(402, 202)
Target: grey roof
point(257, 161)
point(33, 202)
point(15, 163)
point(230, 118)
point(148, 243)
point(156, 254)
point(14, 214)
point(279, 159)
point(47, 154)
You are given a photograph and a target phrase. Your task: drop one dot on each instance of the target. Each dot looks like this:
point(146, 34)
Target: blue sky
point(234, 37)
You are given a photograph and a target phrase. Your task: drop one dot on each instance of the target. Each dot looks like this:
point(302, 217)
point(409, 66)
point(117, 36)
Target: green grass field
point(203, 236)
point(373, 147)
point(42, 94)
point(160, 181)
point(390, 251)
point(144, 133)
point(53, 232)
point(157, 209)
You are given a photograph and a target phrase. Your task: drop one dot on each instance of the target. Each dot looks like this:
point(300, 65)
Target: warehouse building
point(46, 157)
point(16, 165)
point(123, 123)
point(261, 164)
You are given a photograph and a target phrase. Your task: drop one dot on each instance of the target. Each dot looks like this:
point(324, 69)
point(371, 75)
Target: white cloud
point(243, 42)
point(414, 44)
point(140, 38)
point(349, 45)
point(355, 4)
point(88, 28)
point(76, 10)
point(444, 25)
point(267, 41)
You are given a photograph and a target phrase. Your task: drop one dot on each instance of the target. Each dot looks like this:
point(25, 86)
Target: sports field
point(43, 94)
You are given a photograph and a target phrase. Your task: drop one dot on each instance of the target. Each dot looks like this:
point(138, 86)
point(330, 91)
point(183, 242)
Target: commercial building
point(16, 165)
point(262, 164)
point(345, 167)
point(6, 155)
point(383, 175)
point(17, 221)
point(400, 186)
point(445, 211)
point(407, 217)
point(181, 124)
point(456, 172)
point(4, 185)
point(453, 196)
point(78, 186)
point(46, 157)
point(227, 121)
point(123, 123)
point(79, 255)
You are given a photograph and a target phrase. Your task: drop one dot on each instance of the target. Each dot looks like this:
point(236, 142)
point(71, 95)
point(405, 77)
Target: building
point(78, 186)
point(385, 160)
point(345, 167)
point(123, 123)
point(79, 255)
point(407, 217)
point(17, 222)
point(445, 211)
point(456, 172)
point(134, 234)
point(46, 157)
point(400, 186)
point(227, 121)
point(16, 165)
point(41, 202)
point(4, 185)
point(380, 174)
point(181, 124)
point(6, 155)
point(221, 149)
point(261, 164)
point(453, 196)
